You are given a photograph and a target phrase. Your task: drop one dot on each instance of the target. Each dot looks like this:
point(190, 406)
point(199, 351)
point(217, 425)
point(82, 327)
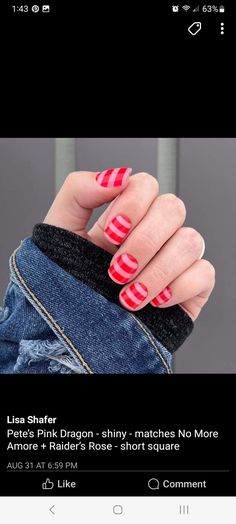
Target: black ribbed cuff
point(89, 264)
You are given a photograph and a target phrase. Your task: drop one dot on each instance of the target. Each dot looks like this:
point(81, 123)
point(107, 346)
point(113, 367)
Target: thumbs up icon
point(48, 484)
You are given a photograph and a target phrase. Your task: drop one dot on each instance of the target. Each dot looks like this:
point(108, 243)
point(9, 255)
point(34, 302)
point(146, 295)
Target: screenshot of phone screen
point(110, 412)
point(117, 287)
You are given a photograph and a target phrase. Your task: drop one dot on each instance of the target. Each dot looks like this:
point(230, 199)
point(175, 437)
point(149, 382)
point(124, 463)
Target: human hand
point(155, 258)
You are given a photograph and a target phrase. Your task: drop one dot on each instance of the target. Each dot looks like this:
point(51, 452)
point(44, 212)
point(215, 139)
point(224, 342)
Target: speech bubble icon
point(153, 484)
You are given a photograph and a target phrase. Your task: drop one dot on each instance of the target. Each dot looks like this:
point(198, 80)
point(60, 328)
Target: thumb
point(83, 191)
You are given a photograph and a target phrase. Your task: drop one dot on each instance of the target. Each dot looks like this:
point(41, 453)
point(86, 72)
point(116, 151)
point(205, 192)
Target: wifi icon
point(186, 7)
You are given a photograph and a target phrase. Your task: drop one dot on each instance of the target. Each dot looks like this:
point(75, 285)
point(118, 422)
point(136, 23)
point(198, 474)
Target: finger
point(83, 191)
point(191, 289)
point(177, 255)
point(125, 212)
point(163, 219)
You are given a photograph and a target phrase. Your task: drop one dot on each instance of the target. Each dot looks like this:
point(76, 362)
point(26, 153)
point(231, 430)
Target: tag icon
point(195, 28)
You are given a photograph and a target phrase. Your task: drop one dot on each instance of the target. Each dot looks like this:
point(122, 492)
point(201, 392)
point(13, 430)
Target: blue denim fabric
point(53, 323)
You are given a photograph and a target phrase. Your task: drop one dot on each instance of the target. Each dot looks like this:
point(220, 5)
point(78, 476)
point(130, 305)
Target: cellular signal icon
point(197, 9)
point(186, 7)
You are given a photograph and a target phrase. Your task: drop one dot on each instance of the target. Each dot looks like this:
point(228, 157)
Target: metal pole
point(167, 164)
point(65, 159)
point(167, 170)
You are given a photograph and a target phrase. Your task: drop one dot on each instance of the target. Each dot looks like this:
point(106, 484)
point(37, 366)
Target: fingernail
point(134, 295)
point(163, 297)
point(203, 249)
point(113, 177)
point(123, 268)
point(117, 229)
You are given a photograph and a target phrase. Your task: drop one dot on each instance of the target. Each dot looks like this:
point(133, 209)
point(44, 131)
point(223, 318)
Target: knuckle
point(145, 239)
point(209, 270)
point(191, 240)
point(71, 177)
point(159, 274)
point(147, 180)
point(174, 205)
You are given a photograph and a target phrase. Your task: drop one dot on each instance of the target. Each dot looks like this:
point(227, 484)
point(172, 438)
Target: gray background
point(32, 169)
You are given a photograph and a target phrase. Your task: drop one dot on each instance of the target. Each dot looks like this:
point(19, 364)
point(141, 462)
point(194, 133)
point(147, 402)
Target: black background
point(118, 22)
point(125, 402)
point(114, 72)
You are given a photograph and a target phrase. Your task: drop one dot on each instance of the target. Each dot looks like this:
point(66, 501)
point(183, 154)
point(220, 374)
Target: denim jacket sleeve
point(61, 314)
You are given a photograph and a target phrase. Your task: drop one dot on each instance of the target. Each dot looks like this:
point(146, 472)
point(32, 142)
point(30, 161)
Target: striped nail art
point(123, 268)
point(118, 229)
point(163, 297)
point(113, 177)
point(133, 295)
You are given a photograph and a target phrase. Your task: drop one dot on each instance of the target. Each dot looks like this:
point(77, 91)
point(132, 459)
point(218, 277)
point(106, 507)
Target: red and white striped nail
point(113, 177)
point(163, 297)
point(118, 229)
point(123, 268)
point(133, 295)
